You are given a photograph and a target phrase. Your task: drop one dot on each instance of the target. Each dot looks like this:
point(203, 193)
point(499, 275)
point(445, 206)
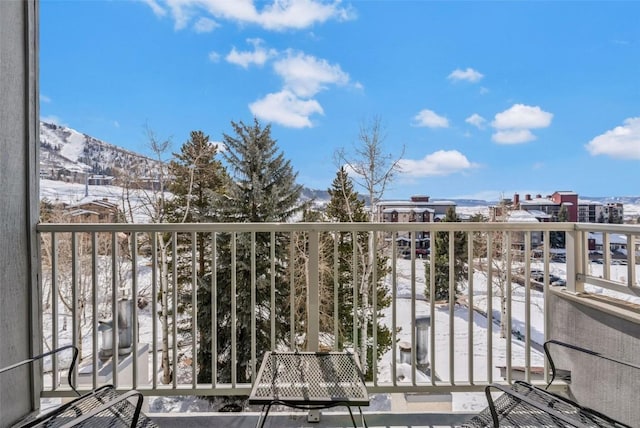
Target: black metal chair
point(103, 406)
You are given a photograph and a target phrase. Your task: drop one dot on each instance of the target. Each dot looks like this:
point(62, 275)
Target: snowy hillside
point(66, 154)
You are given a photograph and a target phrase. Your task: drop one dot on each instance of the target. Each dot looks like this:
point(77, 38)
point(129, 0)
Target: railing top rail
point(319, 227)
point(609, 228)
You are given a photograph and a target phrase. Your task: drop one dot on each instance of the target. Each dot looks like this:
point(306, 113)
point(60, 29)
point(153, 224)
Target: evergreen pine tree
point(557, 239)
point(263, 189)
point(440, 248)
point(197, 178)
point(563, 214)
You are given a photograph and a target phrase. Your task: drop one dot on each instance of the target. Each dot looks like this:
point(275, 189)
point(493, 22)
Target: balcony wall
point(607, 327)
point(19, 208)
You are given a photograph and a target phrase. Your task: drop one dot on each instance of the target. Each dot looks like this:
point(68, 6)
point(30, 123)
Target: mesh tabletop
point(310, 378)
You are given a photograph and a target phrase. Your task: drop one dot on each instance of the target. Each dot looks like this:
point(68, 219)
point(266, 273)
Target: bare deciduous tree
point(373, 170)
point(149, 199)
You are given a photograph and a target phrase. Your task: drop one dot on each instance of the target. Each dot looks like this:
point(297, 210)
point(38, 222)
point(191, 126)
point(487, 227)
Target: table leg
point(263, 415)
point(364, 421)
point(353, 421)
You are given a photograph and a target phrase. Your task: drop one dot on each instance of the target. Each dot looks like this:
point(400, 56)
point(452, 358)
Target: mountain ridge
point(70, 155)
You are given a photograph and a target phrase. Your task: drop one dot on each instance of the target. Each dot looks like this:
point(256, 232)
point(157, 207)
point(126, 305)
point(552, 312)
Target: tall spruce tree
point(346, 206)
point(198, 177)
point(442, 261)
point(558, 239)
point(262, 189)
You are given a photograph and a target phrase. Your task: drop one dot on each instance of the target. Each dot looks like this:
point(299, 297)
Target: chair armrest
point(519, 397)
point(547, 351)
point(109, 406)
point(74, 408)
point(46, 354)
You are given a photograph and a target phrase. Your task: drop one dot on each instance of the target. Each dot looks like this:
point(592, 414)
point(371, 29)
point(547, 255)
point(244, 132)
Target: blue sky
point(487, 98)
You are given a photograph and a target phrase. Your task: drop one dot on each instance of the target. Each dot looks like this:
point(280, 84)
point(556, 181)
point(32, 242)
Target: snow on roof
point(406, 210)
point(614, 238)
point(75, 213)
point(588, 202)
point(539, 214)
point(521, 216)
point(408, 239)
point(412, 203)
point(97, 202)
point(538, 201)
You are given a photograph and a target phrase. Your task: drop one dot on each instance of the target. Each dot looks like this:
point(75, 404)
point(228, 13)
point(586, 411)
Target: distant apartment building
point(548, 208)
point(418, 209)
point(614, 212)
point(96, 211)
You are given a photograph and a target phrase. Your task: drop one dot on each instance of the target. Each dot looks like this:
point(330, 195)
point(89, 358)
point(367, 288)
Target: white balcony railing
point(85, 268)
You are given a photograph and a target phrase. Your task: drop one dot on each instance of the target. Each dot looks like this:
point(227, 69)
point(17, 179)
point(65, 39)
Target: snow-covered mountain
point(67, 154)
point(71, 156)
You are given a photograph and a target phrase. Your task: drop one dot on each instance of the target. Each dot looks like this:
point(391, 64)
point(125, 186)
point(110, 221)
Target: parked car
point(557, 281)
point(537, 275)
point(420, 253)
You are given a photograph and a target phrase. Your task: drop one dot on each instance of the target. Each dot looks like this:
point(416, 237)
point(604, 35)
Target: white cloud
point(484, 90)
point(513, 136)
point(522, 116)
point(155, 7)
point(621, 142)
point(306, 75)
point(442, 162)
point(430, 119)
point(219, 145)
point(181, 13)
point(258, 56)
point(303, 77)
point(214, 56)
point(205, 25)
point(514, 124)
point(278, 15)
point(287, 109)
point(300, 14)
point(44, 99)
point(476, 120)
point(470, 75)
point(116, 124)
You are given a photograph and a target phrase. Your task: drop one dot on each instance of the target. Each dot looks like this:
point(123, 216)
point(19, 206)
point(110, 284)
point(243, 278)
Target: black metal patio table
point(309, 381)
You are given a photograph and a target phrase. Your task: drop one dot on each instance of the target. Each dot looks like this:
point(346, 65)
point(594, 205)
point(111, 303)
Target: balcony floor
point(299, 419)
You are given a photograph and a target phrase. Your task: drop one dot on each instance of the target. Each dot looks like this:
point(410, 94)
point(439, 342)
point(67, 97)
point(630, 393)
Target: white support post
point(575, 261)
point(313, 306)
